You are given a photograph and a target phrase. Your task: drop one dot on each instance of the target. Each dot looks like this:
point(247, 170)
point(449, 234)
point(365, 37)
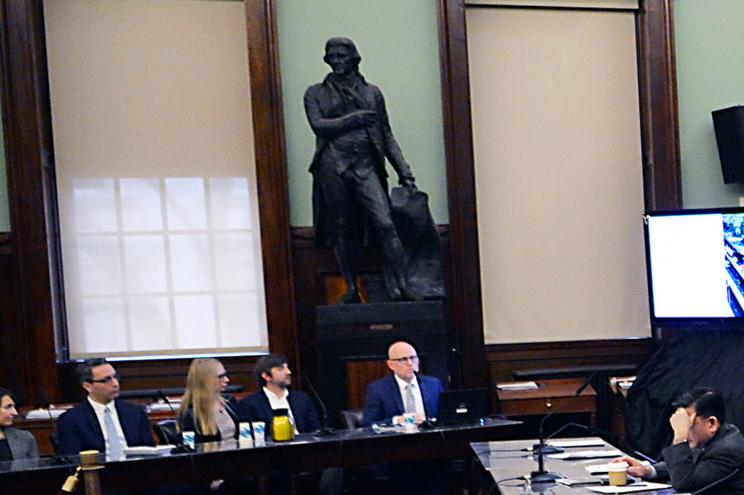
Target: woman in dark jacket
point(203, 409)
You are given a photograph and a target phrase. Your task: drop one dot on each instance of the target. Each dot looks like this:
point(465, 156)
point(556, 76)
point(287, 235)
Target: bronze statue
point(350, 194)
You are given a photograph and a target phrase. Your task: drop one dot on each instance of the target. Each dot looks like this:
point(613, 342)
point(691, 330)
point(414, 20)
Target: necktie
point(113, 437)
point(410, 401)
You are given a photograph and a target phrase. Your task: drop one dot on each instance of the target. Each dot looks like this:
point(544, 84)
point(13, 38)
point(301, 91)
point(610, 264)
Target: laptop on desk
point(462, 406)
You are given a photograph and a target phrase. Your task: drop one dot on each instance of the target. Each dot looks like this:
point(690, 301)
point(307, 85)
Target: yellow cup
point(618, 474)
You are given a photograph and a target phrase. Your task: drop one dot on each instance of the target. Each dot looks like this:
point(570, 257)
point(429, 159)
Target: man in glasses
point(405, 391)
point(102, 422)
point(706, 452)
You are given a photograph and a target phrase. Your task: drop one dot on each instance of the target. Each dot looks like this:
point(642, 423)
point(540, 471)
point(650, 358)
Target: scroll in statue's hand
point(409, 183)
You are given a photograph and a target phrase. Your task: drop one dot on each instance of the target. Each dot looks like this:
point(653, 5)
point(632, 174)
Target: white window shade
point(154, 158)
point(559, 186)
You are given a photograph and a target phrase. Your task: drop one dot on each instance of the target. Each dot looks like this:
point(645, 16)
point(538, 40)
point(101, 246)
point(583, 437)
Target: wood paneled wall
point(504, 359)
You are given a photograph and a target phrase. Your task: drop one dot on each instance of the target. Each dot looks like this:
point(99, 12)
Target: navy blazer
point(383, 400)
point(256, 407)
point(78, 429)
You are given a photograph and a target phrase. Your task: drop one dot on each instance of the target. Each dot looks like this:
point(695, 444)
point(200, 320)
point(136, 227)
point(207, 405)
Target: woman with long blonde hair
point(203, 409)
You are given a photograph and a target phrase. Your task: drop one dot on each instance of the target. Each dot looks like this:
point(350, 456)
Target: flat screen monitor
point(695, 265)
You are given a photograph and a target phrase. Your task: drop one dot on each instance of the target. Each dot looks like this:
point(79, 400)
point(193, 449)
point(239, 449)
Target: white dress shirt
point(100, 411)
point(402, 384)
point(277, 402)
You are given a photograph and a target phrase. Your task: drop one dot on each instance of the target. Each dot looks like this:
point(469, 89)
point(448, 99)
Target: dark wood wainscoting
point(594, 360)
point(160, 374)
point(505, 359)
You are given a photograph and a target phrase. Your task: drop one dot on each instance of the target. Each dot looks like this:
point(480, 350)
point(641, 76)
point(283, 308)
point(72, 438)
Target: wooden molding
point(659, 112)
point(5, 243)
point(464, 275)
point(271, 173)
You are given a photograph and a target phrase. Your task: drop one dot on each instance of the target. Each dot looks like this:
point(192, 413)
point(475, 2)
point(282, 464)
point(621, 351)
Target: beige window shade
point(560, 4)
point(155, 167)
point(558, 174)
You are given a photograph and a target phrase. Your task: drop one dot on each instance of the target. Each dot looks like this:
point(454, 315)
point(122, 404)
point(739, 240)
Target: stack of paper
point(146, 450)
point(45, 413)
point(635, 487)
point(514, 386)
point(587, 454)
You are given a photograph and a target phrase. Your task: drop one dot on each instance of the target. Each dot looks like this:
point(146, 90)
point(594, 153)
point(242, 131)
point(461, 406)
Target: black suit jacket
point(692, 469)
point(186, 422)
point(256, 407)
point(78, 429)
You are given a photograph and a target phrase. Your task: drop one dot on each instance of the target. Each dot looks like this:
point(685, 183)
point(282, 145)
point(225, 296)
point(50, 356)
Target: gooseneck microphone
point(540, 449)
point(324, 429)
point(161, 395)
point(717, 482)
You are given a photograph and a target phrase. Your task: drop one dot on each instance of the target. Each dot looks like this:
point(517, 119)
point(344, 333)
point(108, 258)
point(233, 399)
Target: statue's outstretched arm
point(331, 127)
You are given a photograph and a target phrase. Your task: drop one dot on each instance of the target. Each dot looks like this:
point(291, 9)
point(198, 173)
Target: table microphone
point(717, 482)
point(540, 449)
point(324, 429)
point(161, 395)
point(45, 404)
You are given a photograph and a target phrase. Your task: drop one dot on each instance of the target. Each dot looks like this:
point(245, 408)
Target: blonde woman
point(203, 409)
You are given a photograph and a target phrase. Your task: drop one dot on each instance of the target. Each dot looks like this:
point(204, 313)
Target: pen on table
point(641, 454)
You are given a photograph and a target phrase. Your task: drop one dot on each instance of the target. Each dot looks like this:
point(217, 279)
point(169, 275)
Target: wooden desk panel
point(346, 448)
point(552, 396)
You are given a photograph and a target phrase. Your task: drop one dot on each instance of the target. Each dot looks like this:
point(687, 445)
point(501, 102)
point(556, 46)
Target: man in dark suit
point(705, 449)
point(102, 422)
point(353, 139)
point(405, 391)
point(274, 378)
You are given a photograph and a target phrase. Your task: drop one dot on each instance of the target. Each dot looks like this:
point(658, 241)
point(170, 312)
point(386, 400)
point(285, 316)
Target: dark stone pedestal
point(357, 333)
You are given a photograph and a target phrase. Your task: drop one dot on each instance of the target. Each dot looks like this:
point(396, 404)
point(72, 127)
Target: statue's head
point(342, 55)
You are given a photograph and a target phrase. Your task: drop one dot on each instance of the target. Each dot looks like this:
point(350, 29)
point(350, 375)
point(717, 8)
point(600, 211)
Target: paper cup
point(409, 423)
point(259, 433)
point(188, 438)
point(244, 435)
point(618, 473)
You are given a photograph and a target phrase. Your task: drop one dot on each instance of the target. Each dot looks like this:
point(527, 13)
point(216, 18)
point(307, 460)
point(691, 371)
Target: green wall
point(710, 75)
point(398, 42)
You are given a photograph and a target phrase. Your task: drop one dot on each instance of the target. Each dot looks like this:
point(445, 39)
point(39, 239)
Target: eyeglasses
point(222, 375)
point(107, 379)
point(406, 359)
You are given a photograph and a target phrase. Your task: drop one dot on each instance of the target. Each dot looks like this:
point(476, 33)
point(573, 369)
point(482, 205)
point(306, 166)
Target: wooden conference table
point(506, 460)
point(345, 448)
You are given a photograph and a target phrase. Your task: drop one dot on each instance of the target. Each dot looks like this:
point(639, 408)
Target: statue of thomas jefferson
point(350, 194)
